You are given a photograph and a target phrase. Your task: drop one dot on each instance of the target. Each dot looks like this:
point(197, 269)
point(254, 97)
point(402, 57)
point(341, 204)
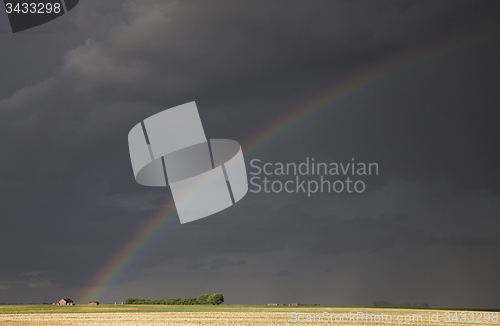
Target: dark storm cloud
point(223, 263)
point(68, 198)
point(289, 227)
point(209, 48)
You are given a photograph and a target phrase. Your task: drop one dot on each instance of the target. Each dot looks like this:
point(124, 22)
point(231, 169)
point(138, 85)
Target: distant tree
point(203, 299)
point(192, 301)
point(415, 304)
point(216, 298)
point(381, 303)
point(424, 305)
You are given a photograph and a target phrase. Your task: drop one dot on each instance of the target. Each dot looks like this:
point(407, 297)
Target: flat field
point(139, 315)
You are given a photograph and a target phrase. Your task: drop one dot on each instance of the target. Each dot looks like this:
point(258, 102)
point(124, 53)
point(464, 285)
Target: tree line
point(209, 298)
point(395, 304)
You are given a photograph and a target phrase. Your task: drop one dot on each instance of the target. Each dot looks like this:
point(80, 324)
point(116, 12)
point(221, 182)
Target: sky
point(410, 85)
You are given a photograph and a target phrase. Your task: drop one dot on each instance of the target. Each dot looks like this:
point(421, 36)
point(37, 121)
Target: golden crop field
point(236, 315)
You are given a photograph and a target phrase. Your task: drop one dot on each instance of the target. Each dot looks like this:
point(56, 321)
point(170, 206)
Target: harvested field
point(229, 315)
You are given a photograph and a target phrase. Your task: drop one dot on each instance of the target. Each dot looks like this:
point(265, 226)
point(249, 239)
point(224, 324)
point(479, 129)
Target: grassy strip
point(111, 308)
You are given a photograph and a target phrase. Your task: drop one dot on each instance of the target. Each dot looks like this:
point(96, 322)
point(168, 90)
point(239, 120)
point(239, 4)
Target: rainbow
point(124, 258)
point(142, 239)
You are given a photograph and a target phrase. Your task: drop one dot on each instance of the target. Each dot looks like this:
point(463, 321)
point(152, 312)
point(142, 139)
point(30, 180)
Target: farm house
point(65, 302)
